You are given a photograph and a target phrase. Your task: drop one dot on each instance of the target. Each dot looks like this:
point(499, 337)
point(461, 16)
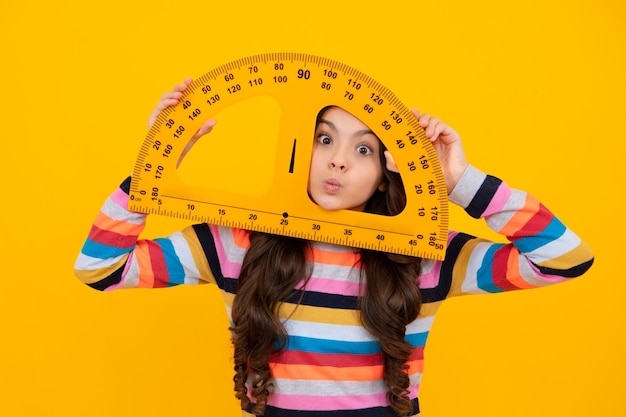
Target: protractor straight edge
point(301, 85)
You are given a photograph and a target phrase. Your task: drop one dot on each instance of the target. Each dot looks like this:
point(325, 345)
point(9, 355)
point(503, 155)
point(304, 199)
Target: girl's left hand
point(447, 144)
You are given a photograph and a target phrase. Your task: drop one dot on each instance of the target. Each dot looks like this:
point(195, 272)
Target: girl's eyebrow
point(330, 124)
point(359, 133)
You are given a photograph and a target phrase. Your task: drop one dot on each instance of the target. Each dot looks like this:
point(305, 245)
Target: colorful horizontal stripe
point(331, 365)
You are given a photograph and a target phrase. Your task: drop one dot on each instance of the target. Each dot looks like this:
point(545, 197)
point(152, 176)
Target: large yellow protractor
point(302, 85)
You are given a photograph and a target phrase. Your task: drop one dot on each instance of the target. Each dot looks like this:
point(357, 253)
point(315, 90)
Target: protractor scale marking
point(302, 85)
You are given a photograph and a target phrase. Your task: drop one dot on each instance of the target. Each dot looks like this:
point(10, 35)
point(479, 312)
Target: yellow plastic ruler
point(302, 85)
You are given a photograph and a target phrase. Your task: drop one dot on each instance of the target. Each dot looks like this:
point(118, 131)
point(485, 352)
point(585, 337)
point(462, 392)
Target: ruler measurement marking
point(282, 215)
point(293, 157)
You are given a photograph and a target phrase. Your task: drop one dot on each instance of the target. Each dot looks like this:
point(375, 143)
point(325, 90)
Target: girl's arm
point(542, 250)
point(114, 257)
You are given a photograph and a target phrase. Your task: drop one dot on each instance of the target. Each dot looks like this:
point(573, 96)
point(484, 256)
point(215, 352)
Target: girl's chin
point(332, 203)
point(330, 207)
point(326, 204)
point(335, 206)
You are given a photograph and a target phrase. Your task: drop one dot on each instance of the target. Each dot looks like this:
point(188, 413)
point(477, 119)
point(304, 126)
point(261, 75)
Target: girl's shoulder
point(224, 235)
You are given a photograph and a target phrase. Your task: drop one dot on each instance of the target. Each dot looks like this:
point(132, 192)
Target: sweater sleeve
point(114, 257)
point(541, 249)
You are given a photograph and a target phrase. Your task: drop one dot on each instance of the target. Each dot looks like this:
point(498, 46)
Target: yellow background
point(536, 89)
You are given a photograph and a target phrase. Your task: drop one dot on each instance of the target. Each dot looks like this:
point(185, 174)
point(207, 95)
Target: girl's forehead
point(336, 111)
point(340, 118)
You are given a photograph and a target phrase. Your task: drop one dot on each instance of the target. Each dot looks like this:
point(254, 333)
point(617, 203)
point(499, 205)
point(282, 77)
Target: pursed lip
point(332, 185)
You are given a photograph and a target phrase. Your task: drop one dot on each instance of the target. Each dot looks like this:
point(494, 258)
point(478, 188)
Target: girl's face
point(345, 165)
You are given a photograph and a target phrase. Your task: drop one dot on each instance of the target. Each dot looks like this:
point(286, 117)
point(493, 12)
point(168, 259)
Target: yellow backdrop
point(536, 89)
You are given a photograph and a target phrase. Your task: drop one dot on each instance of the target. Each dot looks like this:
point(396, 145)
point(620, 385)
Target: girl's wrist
point(455, 176)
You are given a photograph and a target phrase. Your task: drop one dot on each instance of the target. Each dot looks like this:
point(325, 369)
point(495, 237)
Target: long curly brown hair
point(272, 268)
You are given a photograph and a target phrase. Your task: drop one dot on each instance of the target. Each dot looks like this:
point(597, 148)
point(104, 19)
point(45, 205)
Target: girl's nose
point(338, 161)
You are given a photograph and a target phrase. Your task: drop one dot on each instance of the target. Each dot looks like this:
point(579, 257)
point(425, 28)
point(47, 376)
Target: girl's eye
point(324, 139)
point(364, 150)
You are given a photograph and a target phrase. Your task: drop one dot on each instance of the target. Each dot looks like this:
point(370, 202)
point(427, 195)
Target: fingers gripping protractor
point(301, 85)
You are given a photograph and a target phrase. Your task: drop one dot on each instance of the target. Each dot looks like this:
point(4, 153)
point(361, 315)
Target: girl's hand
point(171, 99)
point(447, 144)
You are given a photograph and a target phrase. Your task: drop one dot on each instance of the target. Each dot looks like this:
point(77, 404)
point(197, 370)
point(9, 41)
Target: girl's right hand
point(171, 99)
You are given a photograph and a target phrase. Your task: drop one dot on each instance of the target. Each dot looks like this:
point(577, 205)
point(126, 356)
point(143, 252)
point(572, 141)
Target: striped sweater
point(332, 367)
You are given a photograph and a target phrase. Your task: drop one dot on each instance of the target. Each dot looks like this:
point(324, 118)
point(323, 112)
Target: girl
point(322, 330)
